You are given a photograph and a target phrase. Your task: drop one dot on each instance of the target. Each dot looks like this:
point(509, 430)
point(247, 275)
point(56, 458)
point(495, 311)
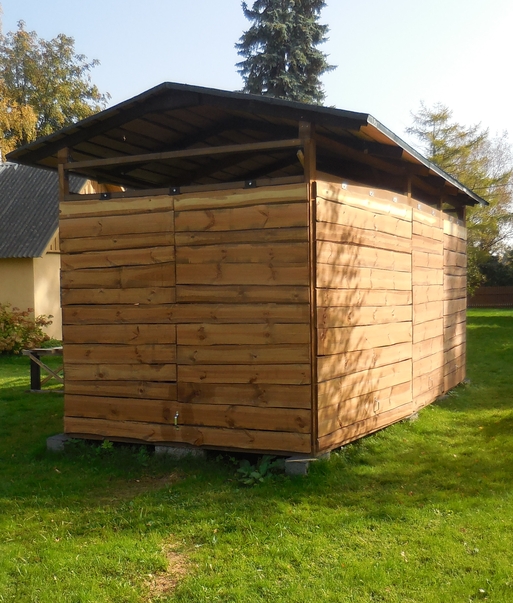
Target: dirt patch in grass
point(126, 489)
point(164, 583)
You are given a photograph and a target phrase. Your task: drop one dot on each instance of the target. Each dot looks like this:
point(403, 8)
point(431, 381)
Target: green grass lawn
point(420, 512)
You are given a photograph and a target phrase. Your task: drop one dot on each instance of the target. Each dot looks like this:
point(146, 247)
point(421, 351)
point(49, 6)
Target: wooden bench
point(36, 364)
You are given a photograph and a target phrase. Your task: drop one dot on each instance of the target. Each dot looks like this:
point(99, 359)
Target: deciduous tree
point(498, 270)
point(281, 57)
point(17, 122)
point(480, 162)
point(44, 86)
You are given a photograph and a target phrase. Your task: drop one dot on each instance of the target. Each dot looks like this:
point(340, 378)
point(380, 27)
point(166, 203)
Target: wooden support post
point(35, 374)
point(36, 364)
point(306, 133)
point(408, 186)
point(62, 159)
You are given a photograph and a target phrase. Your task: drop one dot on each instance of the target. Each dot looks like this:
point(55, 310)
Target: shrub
point(19, 329)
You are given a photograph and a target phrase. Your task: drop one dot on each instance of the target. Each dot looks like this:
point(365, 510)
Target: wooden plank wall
point(364, 313)
point(428, 304)
point(455, 303)
point(198, 307)
point(229, 319)
point(118, 293)
point(391, 309)
point(244, 337)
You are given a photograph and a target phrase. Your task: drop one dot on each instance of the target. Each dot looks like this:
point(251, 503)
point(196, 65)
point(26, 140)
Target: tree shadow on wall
point(363, 318)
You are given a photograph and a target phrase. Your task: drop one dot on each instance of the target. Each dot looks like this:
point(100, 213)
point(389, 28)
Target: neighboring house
point(29, 241)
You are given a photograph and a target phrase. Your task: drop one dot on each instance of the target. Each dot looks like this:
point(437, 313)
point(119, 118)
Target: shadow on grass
point(113, 509)
point(441, 459)
point(455, 458)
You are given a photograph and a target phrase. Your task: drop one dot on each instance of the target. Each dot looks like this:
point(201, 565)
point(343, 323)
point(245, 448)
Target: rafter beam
point(187, 153)
point(346, 151)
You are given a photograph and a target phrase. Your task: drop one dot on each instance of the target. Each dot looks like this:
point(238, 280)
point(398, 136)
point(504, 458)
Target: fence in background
point(492, 297)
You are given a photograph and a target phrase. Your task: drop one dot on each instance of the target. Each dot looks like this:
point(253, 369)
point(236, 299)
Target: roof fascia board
point(428, 164)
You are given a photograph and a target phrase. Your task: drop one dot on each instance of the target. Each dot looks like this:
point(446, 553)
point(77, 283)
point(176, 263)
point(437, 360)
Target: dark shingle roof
point(29, 209)
point(175, 117)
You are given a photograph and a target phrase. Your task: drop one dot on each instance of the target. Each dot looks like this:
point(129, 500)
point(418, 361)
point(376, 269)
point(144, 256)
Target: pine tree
point(281, 58)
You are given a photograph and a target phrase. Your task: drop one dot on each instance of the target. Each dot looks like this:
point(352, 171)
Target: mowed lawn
point(420, 512)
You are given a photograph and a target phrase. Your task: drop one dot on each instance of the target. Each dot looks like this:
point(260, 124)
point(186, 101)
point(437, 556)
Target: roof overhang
point(176, 135)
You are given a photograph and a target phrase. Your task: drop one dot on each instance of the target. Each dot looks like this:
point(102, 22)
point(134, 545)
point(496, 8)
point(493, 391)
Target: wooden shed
point(275, 277)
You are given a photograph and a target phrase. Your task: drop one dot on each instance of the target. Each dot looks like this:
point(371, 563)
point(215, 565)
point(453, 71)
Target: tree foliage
point(17, 122)
point(281, 58)
point(484, 165)
point(498, 270)
point(44, 86)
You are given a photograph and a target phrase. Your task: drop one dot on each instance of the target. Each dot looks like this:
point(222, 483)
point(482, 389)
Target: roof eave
point(428, 164)
point(158, 98)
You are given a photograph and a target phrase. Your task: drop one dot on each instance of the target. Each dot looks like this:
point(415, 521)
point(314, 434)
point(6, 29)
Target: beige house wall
point(17, 282)
point(47, 299)
point(34, 283)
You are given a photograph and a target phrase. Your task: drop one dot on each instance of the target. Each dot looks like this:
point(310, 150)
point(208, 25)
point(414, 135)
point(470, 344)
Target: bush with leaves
point(251, 475)
point(20, 330)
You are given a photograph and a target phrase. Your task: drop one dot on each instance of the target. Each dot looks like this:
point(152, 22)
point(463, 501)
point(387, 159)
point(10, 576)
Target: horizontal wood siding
point(390, 313)
point(193, 307)
point(243, 315)
point(118, 294)
point(212, 437)
point(198, 308)
point(428, 304)
point(455, 303)
point(364, 311)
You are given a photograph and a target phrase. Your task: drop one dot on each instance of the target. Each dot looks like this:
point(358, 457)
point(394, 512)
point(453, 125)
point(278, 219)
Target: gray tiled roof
point(29, 209)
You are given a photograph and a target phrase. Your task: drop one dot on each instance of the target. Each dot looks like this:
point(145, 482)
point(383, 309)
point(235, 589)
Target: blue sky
point(391, 54)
